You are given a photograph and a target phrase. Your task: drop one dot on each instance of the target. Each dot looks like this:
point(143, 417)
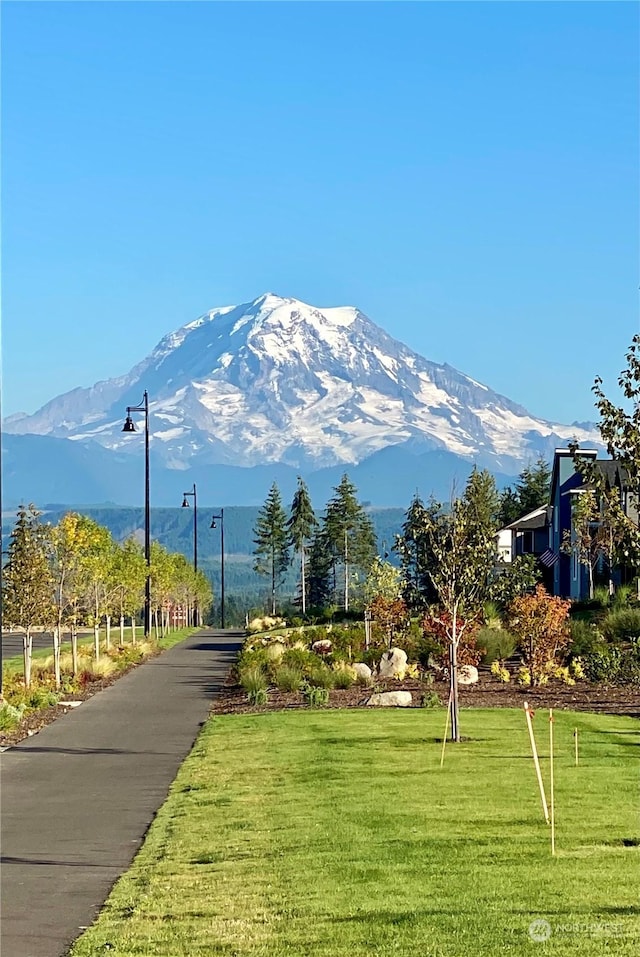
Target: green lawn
point(336, 834)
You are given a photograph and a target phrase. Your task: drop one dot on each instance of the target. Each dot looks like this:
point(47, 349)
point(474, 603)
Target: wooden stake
point(446, 731)
point(536, 763)
point(575, 738)
point(553, 815)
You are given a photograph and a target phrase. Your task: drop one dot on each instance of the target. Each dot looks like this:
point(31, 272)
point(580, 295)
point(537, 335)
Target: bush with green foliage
point(315, 696)
point(321, 676)
point(603, 664)
point(584, 638)
point(621, 625)
point(301, 659)
point(430, 699)
point(10, 716)
point(499, 644)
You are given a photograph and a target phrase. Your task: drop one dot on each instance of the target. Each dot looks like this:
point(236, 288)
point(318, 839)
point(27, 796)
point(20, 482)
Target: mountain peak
point(279, 380)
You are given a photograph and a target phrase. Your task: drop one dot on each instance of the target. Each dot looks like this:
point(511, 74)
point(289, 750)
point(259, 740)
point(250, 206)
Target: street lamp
point(220, 518)
point(130, 427)
point(185, 504)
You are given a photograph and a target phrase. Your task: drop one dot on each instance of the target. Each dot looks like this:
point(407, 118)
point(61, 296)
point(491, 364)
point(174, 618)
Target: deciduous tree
point(26, 581)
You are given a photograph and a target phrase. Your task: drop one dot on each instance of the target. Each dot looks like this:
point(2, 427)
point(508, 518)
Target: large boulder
point(393, 664)
point(322, 647)
point(363, 672)
point(467, 675)
point(391, 699)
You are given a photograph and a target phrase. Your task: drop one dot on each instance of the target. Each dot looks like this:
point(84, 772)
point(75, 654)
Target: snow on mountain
point(278, 380)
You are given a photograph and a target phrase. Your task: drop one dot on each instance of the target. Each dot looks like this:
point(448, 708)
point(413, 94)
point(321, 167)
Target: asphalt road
point(12, 641)
point(78, 797)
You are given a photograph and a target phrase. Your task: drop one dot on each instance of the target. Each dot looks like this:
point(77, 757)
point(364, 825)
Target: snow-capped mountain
point(277, 380)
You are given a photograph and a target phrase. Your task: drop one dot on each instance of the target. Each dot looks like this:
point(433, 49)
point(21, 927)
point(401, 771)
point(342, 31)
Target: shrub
point(498, 643)
point(321, 677)
point(621, 625)
point(622, 597)
point(430, 699)
point(287, 678)
point(539, 621)
point(315, 696)
point(584, 637)
point(603, 664)
point(491, 615)
point(301, 659)
point(10, 716)
point(40, 697)
point(500, 672)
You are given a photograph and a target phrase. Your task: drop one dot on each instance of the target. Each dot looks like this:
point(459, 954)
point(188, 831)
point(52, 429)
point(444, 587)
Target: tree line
point(333, 552)
point(74, 573)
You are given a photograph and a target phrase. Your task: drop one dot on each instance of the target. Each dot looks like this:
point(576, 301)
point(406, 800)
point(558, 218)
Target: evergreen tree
point(301, 525)
point(27, 585)
point(531, 491)
point(350, 534)
point(483, 502)
point(534, 486)
point(416, 555)
point(319, 578)
point(272, 541)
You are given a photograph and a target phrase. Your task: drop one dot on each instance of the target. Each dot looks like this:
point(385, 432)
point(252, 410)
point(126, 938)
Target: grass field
point(335, 833)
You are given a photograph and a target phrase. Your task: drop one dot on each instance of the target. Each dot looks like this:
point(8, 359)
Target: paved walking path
point(78, 797)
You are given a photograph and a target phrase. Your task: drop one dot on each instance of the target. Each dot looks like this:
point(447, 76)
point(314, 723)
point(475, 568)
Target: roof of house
point(614, 473)
point(536, 519)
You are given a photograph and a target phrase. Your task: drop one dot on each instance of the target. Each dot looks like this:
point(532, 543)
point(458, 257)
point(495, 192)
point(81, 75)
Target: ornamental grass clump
point(344, 675)
point(287, 678)
point(621, 625)
point(253, 680)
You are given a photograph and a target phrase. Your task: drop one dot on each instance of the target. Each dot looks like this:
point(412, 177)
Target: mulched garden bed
point(488, 693)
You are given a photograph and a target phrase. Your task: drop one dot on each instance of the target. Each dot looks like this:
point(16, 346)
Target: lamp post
point(129, 426)
point(185, 504)
point(214, 519)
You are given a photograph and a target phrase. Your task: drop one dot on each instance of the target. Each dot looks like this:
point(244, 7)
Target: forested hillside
point(173, 528)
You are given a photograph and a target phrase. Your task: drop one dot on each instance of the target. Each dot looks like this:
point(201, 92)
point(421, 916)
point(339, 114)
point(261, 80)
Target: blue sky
point(465, 173)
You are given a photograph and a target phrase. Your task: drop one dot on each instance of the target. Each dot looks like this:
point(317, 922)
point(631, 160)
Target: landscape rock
point(467, 675)
point(393, 664)
point(322, 647)
point(363, 672)
point(391, 699)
